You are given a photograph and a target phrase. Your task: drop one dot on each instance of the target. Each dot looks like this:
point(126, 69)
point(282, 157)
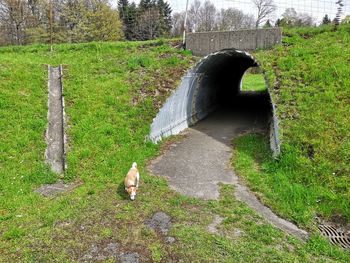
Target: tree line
point(71, 21)
point(205, 17)
point(57, 21)
point(148, 20)
point(291, 18)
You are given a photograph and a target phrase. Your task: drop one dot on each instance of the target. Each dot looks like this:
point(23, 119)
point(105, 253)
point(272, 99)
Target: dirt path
point(195, 165)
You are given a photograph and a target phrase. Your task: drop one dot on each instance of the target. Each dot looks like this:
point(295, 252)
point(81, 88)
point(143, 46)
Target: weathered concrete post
point(55, 136)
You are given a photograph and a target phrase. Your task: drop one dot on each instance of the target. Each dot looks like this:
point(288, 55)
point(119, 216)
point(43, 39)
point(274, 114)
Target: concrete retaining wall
point(204, 43)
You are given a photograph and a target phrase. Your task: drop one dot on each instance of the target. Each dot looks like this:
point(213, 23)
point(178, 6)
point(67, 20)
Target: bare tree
point(265, 9)
point(234, 19)
point(205, 17)
point(207, 14)
point(178, 24)
point(305, 19)
point(148, 24)
point(55, 21)
point(14, 15)
point(201, 17)
point(339, 12)
point(291, 18)
point(194, 16)
point(50, 22)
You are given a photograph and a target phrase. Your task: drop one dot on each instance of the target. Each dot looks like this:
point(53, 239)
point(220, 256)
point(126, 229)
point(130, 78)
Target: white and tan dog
point(132, 180)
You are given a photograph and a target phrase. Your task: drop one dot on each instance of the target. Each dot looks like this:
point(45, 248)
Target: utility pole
point(185, 25)
point(51, 23)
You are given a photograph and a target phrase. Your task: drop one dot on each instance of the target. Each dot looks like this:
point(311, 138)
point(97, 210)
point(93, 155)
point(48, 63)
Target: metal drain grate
point(335, 237)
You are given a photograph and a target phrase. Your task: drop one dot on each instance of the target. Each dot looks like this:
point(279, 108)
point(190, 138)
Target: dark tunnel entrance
point(220, 86)
point(229, 81)
point(214, 85)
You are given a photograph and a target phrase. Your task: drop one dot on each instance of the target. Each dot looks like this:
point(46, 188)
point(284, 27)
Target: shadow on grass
point(121, 191)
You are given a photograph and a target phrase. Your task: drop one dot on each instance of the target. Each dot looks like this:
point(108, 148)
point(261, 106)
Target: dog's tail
point(134, 165)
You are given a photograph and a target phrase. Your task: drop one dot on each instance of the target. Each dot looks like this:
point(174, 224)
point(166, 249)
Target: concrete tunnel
point(215, 82)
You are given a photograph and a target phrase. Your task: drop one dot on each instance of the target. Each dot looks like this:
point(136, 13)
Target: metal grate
point(335, 236)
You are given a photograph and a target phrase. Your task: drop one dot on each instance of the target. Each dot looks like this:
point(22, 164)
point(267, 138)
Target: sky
point(316, 8)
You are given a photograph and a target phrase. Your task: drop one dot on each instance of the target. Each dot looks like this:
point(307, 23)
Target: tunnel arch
point(215, 80)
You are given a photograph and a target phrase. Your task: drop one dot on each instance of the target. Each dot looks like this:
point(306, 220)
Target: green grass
point(309, 80)
point(253, 82)
point(111, 98)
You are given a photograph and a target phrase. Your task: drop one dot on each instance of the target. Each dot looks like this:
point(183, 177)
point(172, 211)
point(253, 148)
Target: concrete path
point(196, 164)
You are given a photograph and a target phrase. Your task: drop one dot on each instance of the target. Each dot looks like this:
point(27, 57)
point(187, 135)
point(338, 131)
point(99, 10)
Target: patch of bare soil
point(161, 222)
point(213, 227)
point(51, 190)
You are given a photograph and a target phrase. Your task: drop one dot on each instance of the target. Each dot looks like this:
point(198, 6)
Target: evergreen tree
point(326, 20)
point(127, 13)
point(281, 22)
point(146, 4)
point(166, 21)
point(122, 8)
point(132, 21)
point(278, 22)
point(267, 24)
point(339, 12)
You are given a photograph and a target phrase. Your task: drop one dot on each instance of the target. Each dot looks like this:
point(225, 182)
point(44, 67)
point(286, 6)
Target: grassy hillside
point(112, 92)
point(253, 82)
point(309, 78)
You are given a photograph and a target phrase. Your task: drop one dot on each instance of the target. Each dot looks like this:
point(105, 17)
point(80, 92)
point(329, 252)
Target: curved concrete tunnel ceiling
point(214, 81)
